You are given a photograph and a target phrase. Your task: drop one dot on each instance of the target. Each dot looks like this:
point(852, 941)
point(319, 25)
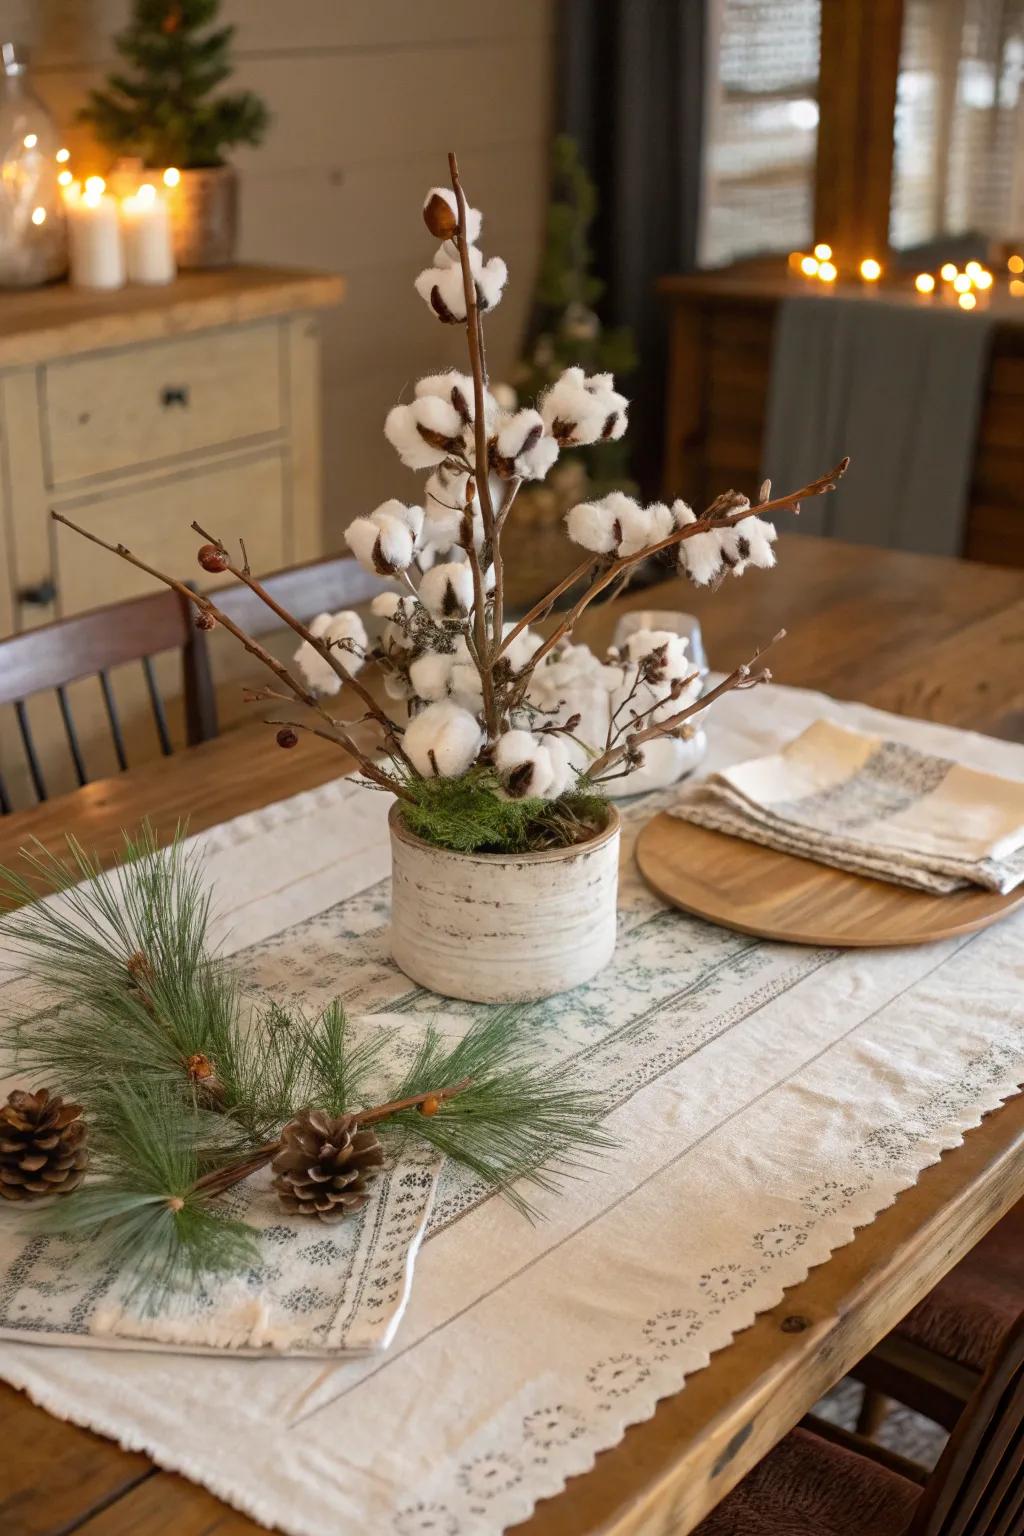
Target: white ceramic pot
point(498, 928)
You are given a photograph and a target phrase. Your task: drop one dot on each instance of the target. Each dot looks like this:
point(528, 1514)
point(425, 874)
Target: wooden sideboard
point(136, 411)
point(721, 335)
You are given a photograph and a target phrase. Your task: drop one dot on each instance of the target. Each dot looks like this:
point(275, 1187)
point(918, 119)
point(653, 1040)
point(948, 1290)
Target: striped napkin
point(871, 806)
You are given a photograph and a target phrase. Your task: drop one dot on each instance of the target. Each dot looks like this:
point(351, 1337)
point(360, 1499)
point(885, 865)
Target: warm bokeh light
point(948, 271)
point(967, 301)
point(30, 140)
point(794, 260)
point(808, 266)
point(972, 269)
point(95, 186)
point(65, 178)
point(823, 252)
point(827, 272)
point(146, 194)
point(924, 282)
point(961, 282)
point(1017, 287)
point(870, 269)
point(171, 176)
point(38, 215)
point(63, 156)
point(1016, 263)
point(983, 279)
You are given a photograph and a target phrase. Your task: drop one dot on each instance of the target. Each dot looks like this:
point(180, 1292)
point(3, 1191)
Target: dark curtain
point(630, 90)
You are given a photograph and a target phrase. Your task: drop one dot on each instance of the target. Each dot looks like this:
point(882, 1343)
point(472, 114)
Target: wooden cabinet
point(137, 412)
point(721, 337)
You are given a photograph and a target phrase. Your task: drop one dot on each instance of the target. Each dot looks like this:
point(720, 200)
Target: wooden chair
point(820, 1481)
point(52, 657)
point(304, 590)
point(935, 1358)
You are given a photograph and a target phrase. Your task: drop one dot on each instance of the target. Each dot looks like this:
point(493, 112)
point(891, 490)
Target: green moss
point(467, 816)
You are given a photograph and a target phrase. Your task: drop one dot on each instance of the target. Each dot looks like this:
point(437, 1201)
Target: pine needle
point(467, 816)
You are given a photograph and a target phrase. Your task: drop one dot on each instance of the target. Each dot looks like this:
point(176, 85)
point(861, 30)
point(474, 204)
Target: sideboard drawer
point(119, 410)
point(239, 500)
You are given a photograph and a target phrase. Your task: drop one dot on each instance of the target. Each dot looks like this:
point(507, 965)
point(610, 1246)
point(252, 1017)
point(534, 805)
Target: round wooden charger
point(778, 896)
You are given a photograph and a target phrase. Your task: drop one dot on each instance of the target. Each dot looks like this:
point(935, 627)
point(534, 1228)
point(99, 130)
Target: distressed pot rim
point(404, 834)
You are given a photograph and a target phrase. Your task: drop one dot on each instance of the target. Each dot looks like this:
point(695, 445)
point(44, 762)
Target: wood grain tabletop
point(939, 639)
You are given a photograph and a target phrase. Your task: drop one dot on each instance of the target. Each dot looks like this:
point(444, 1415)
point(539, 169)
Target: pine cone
point(42, 1146)
point(325, 1165)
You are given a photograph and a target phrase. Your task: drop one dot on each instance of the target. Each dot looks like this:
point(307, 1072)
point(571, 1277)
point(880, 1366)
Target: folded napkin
point(871, 806)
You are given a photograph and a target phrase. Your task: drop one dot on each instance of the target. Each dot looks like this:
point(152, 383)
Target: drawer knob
point(39, 596)
point(174, 394)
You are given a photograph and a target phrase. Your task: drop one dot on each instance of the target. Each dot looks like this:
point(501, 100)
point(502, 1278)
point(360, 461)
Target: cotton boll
point(430, 675)
point(521, 649)
point(490, 283)
point(332, 629)
point(361, 537)
point(676, 663)
point(700, 556)
point(394, 543)
point(443, 740)
point(750, 543)
point(385, 605)
point(578, 411)
point(446, 591)
point(441, 213)
point(591, 525)
point(534, 463)
point(635, 525)
point(523, 764)
point(455, 388)
point(563, 771)
point(412, 517)
point(424, 432)
point(441, 289)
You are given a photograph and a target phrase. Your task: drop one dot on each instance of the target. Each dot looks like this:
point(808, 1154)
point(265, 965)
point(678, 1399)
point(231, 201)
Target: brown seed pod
point(205, 620)
point(212, 559)
point(439, 217)
point(286, 737)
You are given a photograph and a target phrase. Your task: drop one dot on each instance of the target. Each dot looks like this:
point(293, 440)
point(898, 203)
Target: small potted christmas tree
point(169, 113)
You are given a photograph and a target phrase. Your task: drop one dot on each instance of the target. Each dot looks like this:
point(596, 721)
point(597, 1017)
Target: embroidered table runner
point(767, 1100)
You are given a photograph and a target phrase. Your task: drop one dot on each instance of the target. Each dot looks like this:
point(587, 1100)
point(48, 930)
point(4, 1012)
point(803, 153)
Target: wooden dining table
point(933, 638)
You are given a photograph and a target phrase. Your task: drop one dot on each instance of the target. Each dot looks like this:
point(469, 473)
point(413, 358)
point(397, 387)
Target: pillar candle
point(94, 237)
point(147, 237)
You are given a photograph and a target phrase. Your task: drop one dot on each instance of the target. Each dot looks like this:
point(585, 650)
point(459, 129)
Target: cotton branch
point(204, 604)
point(743, 677)
point(328, 652)
point(706, 523)
point(476, 352)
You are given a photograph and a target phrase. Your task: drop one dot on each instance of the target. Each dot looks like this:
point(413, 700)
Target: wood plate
point(778, 896)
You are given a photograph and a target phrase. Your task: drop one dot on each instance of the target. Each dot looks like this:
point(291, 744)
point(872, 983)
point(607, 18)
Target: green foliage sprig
point(164, 109)
point(187, 1086)
point(467, 816)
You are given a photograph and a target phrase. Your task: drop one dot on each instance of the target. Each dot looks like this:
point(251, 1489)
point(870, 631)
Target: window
point(761, 126)
point(959, 131)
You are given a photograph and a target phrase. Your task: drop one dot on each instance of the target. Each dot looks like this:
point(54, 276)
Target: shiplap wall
point(367, 97)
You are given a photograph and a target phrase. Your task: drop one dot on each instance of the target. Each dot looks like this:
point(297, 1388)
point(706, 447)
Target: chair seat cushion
point(808, 1486)
point(966, 1315)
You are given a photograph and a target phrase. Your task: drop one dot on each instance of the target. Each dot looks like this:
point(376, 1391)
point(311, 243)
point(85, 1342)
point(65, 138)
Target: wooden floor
point(907, 633)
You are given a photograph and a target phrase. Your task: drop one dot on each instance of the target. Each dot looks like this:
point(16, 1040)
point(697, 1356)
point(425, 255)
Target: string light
point(62, 156)
point(823, 252)
point(30, 140)
point(38, 215)
point(924, 282)
point(1016, 263)
point(809, 266)
point(967, 301)
point(973, 270)
point(961, 284)
point(948, 271)
point(171, 176)
point(827, 272)
point(983, 279)
point(870, 269)
point(65, 178)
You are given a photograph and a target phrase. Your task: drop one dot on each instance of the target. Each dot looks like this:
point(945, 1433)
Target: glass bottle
point(33, 238)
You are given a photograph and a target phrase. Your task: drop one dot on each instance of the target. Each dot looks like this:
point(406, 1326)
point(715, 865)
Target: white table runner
point(768, 1100)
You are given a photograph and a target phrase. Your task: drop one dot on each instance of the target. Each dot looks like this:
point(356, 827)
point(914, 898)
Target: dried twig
point(298, 689)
